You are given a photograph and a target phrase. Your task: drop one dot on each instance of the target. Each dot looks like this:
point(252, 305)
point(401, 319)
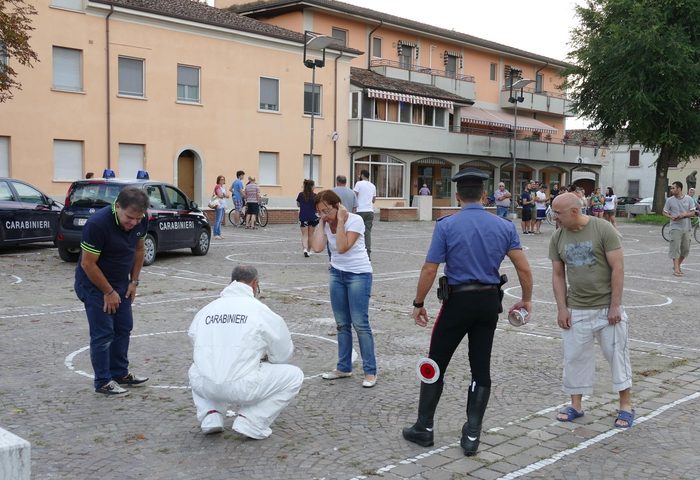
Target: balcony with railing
point(554, 103)
point(462, 85)
point(463, 140)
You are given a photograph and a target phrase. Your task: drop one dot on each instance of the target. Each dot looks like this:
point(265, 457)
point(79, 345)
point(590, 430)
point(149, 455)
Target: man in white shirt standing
point(541, 207)
point(366, 195)
point(502, 199)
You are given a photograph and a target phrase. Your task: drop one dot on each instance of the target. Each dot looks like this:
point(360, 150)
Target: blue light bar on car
point(142, 175)
point(108, 173)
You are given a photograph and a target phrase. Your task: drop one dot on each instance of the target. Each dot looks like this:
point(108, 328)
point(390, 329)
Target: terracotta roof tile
point(265, 6)
point(202, 13)
point(370, 79)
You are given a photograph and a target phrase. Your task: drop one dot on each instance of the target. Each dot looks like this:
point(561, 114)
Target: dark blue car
point(27, 214)
point(174, 221)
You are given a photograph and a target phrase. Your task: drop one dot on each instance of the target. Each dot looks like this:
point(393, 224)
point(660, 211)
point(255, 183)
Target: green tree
point(637, 73)
point(15, 26)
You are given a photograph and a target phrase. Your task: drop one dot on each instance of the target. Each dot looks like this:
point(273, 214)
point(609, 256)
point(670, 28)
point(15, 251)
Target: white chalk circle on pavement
point(13, 277)
point(68, 362)
point(664, 299)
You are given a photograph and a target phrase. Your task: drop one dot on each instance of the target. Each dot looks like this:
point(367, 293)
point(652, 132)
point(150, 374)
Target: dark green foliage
point(15, 26)
point(637, 69)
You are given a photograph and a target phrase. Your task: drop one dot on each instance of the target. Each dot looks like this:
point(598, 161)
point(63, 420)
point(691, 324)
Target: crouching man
point(231, 337)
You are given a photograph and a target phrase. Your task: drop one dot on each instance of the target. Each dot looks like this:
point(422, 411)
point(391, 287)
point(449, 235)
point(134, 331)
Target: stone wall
point(283, 215)
point(398, 214)
point(275, 215)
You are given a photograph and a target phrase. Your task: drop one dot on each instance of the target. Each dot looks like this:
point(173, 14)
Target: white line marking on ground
point(17, 279)
point(68, 361)
point(548, 461)
point(592, 441)
point(666, 345)
point(137, 303)
point(674, 280)
point(667, 300)
point(543, 412)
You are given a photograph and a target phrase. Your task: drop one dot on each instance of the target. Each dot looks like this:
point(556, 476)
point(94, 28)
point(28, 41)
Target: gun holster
point(443, 290)
point(501, 293)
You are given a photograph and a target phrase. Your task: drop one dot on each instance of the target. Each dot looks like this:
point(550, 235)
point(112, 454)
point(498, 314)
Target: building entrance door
point(436, 174)
point(185, 173)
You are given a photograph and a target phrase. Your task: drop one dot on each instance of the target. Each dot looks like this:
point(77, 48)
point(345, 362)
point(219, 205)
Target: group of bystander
point(241, 348)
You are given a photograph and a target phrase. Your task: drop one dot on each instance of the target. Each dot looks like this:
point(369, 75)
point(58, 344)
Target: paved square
point(337, 429)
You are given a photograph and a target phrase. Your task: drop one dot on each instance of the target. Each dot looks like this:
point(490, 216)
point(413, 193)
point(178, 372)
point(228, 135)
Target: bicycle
point(550, 216)
point(695, 226)
point(262, 213)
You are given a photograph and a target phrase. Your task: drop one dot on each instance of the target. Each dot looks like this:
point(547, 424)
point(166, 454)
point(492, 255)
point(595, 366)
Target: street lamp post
point(514, 86)
point(318, 42)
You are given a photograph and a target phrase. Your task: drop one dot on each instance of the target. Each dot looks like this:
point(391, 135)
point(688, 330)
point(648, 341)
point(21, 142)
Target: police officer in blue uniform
point(472, 244)
point(112, 251)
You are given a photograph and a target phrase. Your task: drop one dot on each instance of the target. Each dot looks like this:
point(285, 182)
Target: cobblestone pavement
point(337, 429)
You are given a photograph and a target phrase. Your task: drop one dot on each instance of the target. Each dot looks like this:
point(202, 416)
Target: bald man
point(587, 251)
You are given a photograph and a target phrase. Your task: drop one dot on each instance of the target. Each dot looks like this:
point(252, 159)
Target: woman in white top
point(610, 206)
point(350, 283)
point(222, 194)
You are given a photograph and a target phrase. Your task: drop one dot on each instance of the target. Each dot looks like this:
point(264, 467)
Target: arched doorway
point(585, 179)
point(189, 174)
point(436, 173)
point(551, 176)
point(484, 167)
point(385, 171)
point(524, 175)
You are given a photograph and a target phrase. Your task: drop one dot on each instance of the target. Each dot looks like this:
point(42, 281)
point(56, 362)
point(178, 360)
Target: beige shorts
point(587, 327)
point(680, 244)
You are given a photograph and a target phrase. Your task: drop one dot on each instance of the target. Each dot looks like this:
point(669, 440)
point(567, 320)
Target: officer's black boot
point(421, 432)
point(476, 406)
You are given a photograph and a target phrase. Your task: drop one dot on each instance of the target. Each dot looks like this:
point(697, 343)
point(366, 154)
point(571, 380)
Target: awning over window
point(503, 119)
point(408, 98)
point(430, 161)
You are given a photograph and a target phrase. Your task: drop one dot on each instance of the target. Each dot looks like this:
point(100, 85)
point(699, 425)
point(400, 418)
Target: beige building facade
point(177, 88)
point(189, 91)
point(426, 102)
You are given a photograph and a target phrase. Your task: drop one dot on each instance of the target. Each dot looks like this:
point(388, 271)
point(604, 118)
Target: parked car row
point(29, 216)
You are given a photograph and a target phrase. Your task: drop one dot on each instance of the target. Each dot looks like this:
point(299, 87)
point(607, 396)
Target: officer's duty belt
point(472, 287)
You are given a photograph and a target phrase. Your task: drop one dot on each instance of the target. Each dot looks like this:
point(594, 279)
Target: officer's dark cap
point(470, 175)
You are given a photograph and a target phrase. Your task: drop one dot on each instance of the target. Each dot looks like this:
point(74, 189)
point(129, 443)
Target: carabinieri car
point(174, 221)
point(27, 214)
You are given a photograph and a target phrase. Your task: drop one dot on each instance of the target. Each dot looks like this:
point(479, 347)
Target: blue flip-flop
point(571, 414)
point(624, 416)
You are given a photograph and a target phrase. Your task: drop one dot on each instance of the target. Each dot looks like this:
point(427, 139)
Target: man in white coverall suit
point(231, 336)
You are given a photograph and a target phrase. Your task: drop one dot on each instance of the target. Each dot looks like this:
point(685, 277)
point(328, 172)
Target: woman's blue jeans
point(217, 221)
point(350, 293)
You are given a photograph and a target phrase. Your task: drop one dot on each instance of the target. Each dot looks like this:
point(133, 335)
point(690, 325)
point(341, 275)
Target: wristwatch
point(418, 304)
point(135, 282)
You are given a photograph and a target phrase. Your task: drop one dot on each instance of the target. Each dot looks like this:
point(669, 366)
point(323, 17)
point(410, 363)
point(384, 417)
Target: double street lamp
point(516, 85)
point(314, 41)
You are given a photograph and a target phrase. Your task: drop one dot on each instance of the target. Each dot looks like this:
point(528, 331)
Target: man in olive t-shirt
point(680, 208)
point(587, 252)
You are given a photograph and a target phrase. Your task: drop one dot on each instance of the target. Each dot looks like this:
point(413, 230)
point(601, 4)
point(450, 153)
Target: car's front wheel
point(69, 254)
point(203, 241)
point(150, 247)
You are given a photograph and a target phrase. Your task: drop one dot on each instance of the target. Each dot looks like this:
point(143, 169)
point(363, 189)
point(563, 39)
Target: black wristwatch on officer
point(135, 282)
point(418, 304)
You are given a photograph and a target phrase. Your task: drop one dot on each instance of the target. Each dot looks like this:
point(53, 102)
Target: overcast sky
point(537, 26)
